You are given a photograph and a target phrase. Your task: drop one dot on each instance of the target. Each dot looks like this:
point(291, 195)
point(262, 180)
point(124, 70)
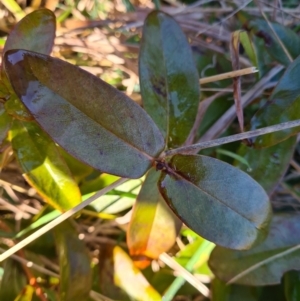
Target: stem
point(157, 4)
point(207, 144)
point(179, 281)
point(59, 220)
point(226, 75)
point(196, 283)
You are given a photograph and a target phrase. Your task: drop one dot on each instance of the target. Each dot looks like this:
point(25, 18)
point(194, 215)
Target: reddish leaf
point(90, 119)
point(36, 31)
point(130, 279)
point(153, 227)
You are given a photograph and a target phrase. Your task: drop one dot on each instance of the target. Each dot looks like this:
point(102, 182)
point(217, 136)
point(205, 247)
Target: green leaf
point(248, 47)
point(284, 105)
point(268, 261)
point(16, 109)
point(91, 120)
point(291, 282)
point(106, 283)
point(130, 279)
point(34, 32)
point(26, 294)
point(5, 122)
point(118, 200)
point(268, 165)
point(223, 292)
point(43, 166)
point(288, 37)
point(153, 227)
point(74, 262)
point(13, 280)
point(78, 169)
point(168, 78)
point(216, 200)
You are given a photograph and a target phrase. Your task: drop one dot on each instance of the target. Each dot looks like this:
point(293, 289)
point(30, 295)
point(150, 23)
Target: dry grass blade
point(263, 262)
point(207, 144)
point(59, 220)
point(223, 122)
point(169, 261)
point(231, 74)
point(235, 61)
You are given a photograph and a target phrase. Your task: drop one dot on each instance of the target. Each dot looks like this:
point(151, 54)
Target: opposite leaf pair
point(105, 129)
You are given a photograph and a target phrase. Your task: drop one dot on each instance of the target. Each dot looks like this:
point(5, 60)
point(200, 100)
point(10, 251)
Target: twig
point(190, 278)
point(179, 281)
point(277, 38)
point(202, 108)
point(263, 262)
point(207, 144)
point(59, 220)
point(227, 75)
point(228, 17)
point(31, 265)
point(223, 122)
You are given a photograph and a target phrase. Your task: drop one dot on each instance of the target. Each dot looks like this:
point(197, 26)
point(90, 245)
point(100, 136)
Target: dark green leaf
point(288, 37)
point(291, 282)
point(34, 32)
point(268, 165)
point(153, 226)
point(13, 280)
point(223, 292)
point(16, 109)
point(74, 262)
point(43, 166)
point(168, 77)
point(78, 169)
point(5, 121)
point(216, 200)
point(283, 235)
point(284, 105)
point(90, 119)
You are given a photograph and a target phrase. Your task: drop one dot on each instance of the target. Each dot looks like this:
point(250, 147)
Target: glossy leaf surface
point(153, 226)
point(283, 235)
point(284, 105)
point(126, 274)
point(168, 78)
point(288, 38)
point(74, 261)
point(267, 166)
point(216, 200)
point(34, 32)
point(90, 119)
point(43, 165)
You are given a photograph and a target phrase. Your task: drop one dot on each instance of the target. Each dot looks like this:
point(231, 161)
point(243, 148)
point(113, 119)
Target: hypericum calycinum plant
point(105, 129)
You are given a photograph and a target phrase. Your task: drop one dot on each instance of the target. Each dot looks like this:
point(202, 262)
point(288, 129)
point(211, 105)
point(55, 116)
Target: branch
point(207, 144)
